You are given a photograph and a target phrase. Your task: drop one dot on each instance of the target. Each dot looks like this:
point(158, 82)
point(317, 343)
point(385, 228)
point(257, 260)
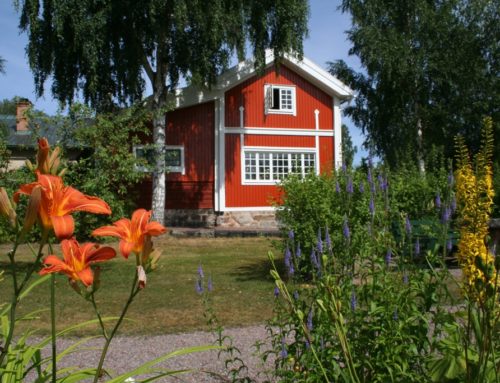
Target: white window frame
point(288, 151)
point(169, 169)
point(268, 99)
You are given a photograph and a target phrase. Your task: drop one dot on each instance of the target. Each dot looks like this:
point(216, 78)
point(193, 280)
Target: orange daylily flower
point(133, 233)
point(58, 202)
point(77, 260)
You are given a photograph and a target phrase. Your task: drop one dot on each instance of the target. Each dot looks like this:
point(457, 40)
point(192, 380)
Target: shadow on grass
point(258, 271)
point(21, 267)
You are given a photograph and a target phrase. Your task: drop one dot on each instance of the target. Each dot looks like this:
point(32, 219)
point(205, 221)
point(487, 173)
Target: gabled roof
point(313, 73)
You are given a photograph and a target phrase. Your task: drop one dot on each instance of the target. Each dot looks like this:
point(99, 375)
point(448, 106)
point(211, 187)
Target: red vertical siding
point(326, 154)
point(238, 195)
point(192, 127)
point(279, 141)
point(250, 95)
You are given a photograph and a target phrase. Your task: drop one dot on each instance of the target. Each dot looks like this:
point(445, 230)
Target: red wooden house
point(230, 146)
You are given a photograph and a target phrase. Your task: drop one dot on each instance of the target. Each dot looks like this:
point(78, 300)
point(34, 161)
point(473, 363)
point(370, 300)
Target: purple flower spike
point(310, 320)
point(395, 315)
point(209, 284)
point(346, 231)
point(328, 240)
point(349, 187)
point(298, 252)
point(437, 201)
point(198, 286)
point(382, 183)
point(354, 301)
point(296, 295)
point(449, 245)
point(405, 278)
point(451, 179)
point(291, 235)
point(453, 205)
point(284, 352)
point(287, 256)
point(361, 187)
point(276, 292)
point(445, 217)
point(319, 245)
point(417, 247)
point(388, 257)
point(315, 260)
point(371, 206)
point(307, 344)
point(408, 225)
point(344, 167)
point(200, 272)
point(337, 187)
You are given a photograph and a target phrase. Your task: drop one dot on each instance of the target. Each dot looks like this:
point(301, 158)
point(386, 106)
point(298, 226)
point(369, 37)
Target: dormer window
point(280, 99)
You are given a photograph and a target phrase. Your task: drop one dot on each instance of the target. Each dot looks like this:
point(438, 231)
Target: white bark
point(159, 187)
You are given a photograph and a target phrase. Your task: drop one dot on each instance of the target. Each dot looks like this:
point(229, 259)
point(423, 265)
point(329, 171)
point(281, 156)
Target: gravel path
point(128, 352)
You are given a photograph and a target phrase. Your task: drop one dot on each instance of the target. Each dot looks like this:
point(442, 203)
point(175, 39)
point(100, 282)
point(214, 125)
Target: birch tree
point(107, 50)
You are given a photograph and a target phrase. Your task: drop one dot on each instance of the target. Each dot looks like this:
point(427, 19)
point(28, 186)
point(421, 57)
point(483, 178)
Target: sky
point(326, 42)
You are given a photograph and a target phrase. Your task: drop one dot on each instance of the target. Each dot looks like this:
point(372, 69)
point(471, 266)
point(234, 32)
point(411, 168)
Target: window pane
point(146, 154)
point(296, 163)
point(309, 163)
point(264, 166)
point(173, 158)
point(250, 166)
point(286, 99)
point(280, 165)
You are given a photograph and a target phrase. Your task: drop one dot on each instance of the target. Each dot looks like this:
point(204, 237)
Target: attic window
point(280, 99)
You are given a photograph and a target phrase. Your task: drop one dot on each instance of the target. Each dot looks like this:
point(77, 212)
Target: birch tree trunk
point(159, 179)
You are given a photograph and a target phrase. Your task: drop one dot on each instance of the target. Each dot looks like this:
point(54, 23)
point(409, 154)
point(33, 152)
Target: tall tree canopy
point(108, 49)
point(431, 71)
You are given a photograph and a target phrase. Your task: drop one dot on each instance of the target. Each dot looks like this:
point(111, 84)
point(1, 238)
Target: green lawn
point(243, 288)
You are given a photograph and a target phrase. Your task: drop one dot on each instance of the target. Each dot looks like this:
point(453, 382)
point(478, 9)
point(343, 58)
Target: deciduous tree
point(431, 70)
point(109, 49)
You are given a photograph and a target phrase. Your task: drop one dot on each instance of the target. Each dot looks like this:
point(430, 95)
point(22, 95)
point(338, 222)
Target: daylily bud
point(153, 259)
point(42, 155)
point(32, 209)
point(141, 276)
point(6, 207)
point(29, 165)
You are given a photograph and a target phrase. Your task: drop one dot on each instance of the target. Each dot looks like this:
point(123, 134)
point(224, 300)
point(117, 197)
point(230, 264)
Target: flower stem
point(101, 323)
point(133, 292)
point(17, 289)
point(53, 325)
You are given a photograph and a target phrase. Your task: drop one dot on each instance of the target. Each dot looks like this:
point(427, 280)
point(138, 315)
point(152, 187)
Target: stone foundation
point(248, 219)
point(190, 218)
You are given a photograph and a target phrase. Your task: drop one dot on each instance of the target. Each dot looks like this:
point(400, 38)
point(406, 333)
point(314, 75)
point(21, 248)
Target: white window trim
point(267, 149)
point(268, 100)
point(172, 169)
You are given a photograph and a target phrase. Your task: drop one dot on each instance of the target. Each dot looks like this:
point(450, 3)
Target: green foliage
point(2, 65)
point(170, 40)
point(329, 202)
point(348, 148)
point(107, 168)
point(429, 65)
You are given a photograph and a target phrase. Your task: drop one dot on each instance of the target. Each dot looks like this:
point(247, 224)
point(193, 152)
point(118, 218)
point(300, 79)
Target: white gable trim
point(313, 73)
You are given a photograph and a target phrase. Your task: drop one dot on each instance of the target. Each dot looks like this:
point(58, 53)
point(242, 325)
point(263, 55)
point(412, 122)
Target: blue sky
point(326, 42)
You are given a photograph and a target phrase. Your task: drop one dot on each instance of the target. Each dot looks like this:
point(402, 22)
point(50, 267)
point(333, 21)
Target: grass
point(242, 295)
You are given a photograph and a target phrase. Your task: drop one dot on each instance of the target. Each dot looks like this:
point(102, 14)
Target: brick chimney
point(22, 107)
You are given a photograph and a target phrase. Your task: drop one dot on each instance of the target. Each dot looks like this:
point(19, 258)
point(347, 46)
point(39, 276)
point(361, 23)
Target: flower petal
point(120, 229)
point(25, 189)
point(126, 248)
point(140, 219)
point(74, 200)
point(100, 254)
point(86, 276)
point(63, 226)
point(154, 228)
point(54, 265)
point(71, 252)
